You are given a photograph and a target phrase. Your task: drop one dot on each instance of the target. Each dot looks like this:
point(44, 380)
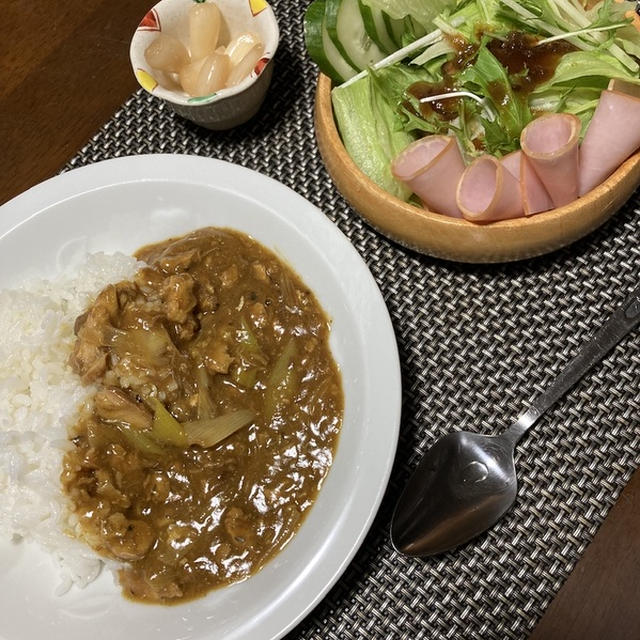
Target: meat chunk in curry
point(216, 417)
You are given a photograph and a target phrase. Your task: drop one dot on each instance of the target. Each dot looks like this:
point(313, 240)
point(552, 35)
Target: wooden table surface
point(64, 70)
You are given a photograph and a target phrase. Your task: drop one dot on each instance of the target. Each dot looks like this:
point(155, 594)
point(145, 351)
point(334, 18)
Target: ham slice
point(534, 196)
point(612, 136)
point(511, 162)
point(431, 167)
point(624, 86)
point(488, 191)
point(550, 145)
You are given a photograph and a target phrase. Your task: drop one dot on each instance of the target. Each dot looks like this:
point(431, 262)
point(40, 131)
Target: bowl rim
point(338, 160)
point(138, 63)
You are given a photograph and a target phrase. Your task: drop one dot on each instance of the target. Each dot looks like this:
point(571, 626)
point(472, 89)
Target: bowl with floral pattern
point(168, 57)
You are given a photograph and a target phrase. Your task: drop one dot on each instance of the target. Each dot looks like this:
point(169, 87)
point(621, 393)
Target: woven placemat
point(475, 344)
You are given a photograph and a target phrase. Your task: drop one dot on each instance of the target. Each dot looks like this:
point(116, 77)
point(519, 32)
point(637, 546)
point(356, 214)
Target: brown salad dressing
point(446, 108)
point(215, 326)
point(528, 66)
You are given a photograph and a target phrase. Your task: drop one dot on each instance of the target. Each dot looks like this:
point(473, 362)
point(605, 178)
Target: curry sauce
point(216, 333)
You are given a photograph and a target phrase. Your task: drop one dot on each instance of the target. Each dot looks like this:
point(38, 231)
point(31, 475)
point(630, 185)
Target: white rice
point(39, 398)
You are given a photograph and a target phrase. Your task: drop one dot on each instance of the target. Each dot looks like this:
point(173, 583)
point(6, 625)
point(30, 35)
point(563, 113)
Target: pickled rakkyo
point(204, 29)
point(207, 63)
point(167, 53)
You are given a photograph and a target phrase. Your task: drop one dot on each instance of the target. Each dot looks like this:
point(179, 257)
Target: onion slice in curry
point(209, 433)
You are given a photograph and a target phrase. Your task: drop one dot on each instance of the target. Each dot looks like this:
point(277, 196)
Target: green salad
point(480, 70)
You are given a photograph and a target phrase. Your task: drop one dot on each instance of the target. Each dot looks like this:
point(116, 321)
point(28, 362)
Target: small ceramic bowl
point(226, 108)
point(459, 240)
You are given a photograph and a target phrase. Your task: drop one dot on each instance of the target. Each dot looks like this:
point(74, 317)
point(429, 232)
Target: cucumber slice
point(395, 29)
point(347, 31)
point(375, 27)
point(320, 47)
point(343, 69)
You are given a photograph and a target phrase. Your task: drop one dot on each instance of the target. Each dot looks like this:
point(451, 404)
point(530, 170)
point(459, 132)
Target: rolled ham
point(487, 191)
point(534, 196)
point(431, 167)
point(511, 162)
point(612, 136)
point(550, 145)
point(624, 86)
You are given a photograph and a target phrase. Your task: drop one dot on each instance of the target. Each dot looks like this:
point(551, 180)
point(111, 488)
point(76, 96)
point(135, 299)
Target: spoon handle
point(622, 320)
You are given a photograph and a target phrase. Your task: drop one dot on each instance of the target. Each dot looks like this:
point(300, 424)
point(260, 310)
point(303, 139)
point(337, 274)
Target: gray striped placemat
point(475, 344)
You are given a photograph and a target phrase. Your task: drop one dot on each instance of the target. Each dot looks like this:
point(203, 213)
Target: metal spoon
point(466, 482)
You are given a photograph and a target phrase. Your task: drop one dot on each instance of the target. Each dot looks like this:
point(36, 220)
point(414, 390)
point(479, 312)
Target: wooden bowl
point(455, 239)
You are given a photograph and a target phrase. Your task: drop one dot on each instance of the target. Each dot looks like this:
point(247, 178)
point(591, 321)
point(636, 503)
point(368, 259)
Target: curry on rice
point(216, 417)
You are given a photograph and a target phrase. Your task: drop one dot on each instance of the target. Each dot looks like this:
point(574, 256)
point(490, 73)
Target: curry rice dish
point(216, 417)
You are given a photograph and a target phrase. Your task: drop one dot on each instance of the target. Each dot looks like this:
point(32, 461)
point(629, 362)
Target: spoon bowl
point(464, 484)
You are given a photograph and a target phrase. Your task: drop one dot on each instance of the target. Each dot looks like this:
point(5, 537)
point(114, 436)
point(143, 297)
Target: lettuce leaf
point(464, 19)
point(487, 77)
point(371, 131)
point(576, 85)
point(586, 69)
point(392, 82)
point(580, 101)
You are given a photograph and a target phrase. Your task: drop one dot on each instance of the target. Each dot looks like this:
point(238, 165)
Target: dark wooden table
point(64, 70)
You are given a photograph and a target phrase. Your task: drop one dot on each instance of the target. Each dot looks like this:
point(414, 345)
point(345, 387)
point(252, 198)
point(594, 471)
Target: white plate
point(123, 204)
